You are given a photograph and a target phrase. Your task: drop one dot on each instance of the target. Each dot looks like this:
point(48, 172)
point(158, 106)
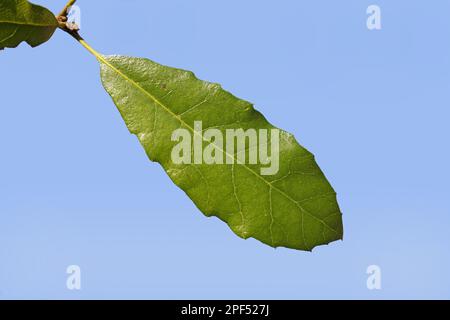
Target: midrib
point(29, 24)
point(156, 100)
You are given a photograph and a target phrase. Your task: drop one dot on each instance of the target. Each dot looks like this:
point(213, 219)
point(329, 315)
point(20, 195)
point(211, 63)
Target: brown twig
point(71, 29)
point(64, 11)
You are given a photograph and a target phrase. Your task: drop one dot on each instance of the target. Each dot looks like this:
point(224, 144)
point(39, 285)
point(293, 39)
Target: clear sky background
point(373, 106)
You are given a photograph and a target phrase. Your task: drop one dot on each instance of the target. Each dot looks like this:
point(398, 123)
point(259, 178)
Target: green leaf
point(23, 21)
point(295, 208)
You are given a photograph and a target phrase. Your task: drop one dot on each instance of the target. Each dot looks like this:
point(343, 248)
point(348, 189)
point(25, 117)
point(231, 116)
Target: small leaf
point(295, 208)
point(24, 21)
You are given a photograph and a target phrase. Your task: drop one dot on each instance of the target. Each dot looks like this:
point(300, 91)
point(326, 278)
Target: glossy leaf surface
point(21, 21)
point(295, 208)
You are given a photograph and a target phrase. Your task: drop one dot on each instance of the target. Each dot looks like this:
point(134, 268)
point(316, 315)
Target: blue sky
point(77, 189)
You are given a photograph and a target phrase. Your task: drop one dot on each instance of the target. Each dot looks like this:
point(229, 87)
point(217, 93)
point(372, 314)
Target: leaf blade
point(23, 21)
point(154, 100)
